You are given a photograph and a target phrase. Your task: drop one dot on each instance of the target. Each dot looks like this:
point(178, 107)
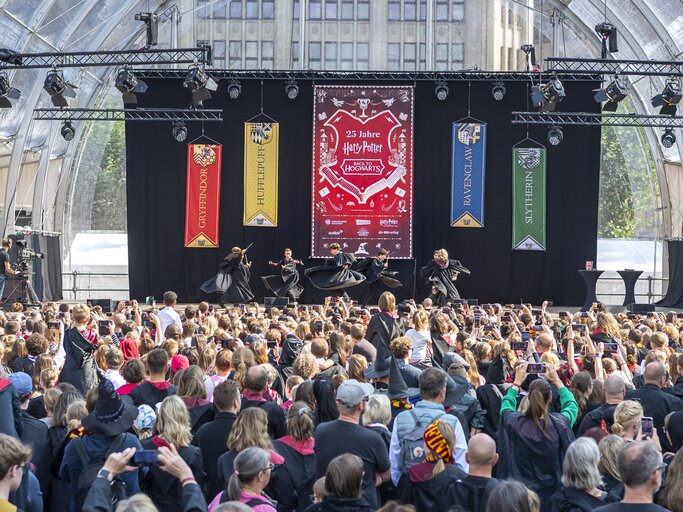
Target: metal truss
point(324, 76)
point(141, 57)
point(583, 119)
point(574, 66)
point(133, 114)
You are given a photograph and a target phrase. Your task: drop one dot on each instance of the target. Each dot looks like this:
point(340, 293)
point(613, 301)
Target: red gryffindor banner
point(363, 170)
point(203, 195)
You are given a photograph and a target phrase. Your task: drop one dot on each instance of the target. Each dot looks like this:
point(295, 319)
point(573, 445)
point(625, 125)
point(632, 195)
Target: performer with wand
point(335, 274)
point(287, 283)
point(232, 278)
point(440, 275)
point(377, 276)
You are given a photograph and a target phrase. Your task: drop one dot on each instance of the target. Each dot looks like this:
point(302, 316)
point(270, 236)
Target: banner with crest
point(528, 199)
point(202, 195)
point(362, 170)
point(468, 170)
point(261, 144)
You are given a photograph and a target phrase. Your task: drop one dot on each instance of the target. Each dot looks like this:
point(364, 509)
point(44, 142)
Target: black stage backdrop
point(156, 166)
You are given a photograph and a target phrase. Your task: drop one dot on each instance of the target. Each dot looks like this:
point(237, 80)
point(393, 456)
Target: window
point(441, 10)
point(441, 56)
point(330, 55)
point(362, 56)
point(219, 10)
point(218, 49)
point(457, 55)
point(423, 56)
point(235, 54)
point(347, 9)
point(346, 56)
point(267, 55)
point(252, 9)
point(458, 12)
point(314, 55)
point(409, 10)
point(394, 10)
point(363, 10)
point(236, 9)
point(330, 9)
point(297, 9)
point(423, 10)
point(394, 56)
point(314, 9)
point(409, 55)
point(509, 18)
point(268, 10)
point(251, 55)
point(203, 10)
point(295, 54)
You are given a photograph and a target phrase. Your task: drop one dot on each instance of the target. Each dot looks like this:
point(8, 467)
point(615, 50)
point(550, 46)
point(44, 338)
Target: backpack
point(412, 443)
point(91, 466)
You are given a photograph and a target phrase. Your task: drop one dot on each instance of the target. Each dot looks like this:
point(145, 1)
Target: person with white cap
point(345, 435)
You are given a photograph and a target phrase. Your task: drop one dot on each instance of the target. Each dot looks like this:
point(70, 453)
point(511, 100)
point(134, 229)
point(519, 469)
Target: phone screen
point(535, 368)
point(146, 458)
point(525, 336)
point(646, 426)
point(520, 345)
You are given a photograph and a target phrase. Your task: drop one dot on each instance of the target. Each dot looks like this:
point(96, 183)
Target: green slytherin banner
point(528, 199)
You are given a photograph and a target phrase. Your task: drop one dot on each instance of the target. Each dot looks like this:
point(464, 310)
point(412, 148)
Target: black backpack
point(91, 467)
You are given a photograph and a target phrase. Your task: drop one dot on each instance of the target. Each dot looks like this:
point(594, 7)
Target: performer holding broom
point(232, 278)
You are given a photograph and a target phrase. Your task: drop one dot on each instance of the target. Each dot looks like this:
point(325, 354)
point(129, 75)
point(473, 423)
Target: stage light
point(152, 22)
point(129, 85)
point(441, 91)
point(548, 95)
point(292, 89)
point(555, 135)
point(10, 57)
point(668, 138)
point(58, 88)
point(669, 98)
point(200, 84)
point(7, 92)
point(234, 89)
point(615, 92)
point(179, 131)
point(68, 131)
point(498, 91)
point(529, 56)
point(608, 35)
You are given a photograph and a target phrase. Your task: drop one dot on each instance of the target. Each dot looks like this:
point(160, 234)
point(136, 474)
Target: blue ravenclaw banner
point(468, 166)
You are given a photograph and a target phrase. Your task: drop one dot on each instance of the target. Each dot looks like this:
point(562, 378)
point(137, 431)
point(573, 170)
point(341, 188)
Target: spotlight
point(234, 89)
point(529, 56)
point(68, 131)
point(179, 131)
point(200, 84)
point(128, 84)
point(555, 135)
point(608, 35)
point(669, 98)
point(668, 138)
point(498, 91)
point(292, 89)
point(7, 92)
point(58, 88)
point(152, 22)
point(615, 91)
point(11, 57)
point(546, 96)
point(441, 91)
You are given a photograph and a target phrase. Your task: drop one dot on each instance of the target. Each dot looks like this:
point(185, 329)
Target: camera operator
point(5, 269)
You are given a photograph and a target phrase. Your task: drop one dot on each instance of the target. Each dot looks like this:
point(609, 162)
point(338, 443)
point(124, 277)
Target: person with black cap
point(378, 371)
point(109, 424)
point(490, 395)
point(399, 392)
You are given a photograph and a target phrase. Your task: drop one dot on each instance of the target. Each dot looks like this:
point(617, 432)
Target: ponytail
point(438, 467)
point(234, 490)
point(537, 411)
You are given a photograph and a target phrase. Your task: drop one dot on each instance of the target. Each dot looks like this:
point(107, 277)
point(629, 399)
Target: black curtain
point(47, 280)
point(156, 194)
point(674, 293)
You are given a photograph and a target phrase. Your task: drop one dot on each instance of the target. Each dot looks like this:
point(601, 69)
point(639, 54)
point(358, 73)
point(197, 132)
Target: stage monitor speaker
point(640, 308)
point(275, 302)
point(472, 302)
point(107, 305)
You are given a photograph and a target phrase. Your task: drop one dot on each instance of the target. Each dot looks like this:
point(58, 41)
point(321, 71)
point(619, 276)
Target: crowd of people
point(339, 407)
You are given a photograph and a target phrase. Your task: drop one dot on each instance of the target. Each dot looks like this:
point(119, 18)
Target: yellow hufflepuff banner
point(261, 141)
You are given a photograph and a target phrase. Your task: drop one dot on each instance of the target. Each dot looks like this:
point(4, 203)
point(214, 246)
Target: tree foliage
point(109, 203)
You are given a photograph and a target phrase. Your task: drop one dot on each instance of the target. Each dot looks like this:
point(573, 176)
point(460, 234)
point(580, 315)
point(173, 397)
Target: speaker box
point(275, 302)
point(640, 308)
point(105, 304)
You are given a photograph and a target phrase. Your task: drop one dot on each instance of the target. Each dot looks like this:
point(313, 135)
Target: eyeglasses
point(660, 468)
point(269, 467)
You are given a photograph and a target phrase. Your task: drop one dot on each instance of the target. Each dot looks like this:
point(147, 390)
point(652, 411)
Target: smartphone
point(146, 458)
point(104, 326)
point(647, 426)
point(318, 325)
point(52, 325)
point(536, 312)
point(446, 311)
point(535, 368)
point(242, 307)
point(577, 328)
point(537, 328)
point(584, 314)
point(149, 301)
point(564, 314)
point(520, 345)
point(611, 347)
point(526, 336)
point(477, 320)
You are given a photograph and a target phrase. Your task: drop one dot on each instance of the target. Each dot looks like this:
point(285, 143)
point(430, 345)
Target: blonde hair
point(626, 414)
point(50, 398)
point(190, 382)
point(173, 422)
point(242, 360)
point(448, 435)
point(609, 449)
point(377, 410)
point(421, 320)
point(250, 430)
point(387, 302)
point(80, 313)
point(551, 359)
point(441, 254)
point(609, 324)
point(74, 414)
point(357, 366)
point(137, 503)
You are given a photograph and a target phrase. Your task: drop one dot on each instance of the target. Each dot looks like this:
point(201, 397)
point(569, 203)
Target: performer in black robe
point(376, 275)
point(287, 283)
point(440, 275)
point(232, 279)
point(335, 274)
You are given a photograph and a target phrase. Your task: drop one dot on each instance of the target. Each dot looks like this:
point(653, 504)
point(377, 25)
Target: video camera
point(24, 253)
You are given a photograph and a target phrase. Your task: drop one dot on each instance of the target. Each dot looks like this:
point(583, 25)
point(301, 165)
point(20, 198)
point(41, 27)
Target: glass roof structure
point(46, 179)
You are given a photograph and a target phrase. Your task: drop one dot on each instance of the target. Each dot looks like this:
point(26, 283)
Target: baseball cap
point(179, 362)
point(351, 392)
point(22, 382)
